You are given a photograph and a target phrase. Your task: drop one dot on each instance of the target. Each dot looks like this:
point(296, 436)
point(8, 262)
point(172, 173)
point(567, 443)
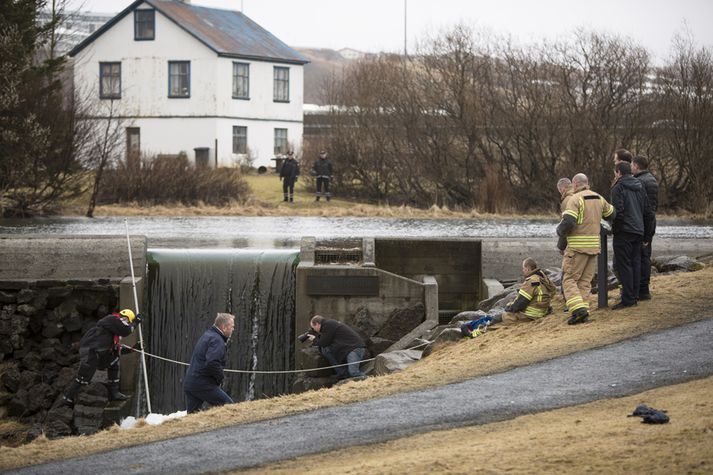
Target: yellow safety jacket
point(534, 295)
point(564, 199)
point(587, 208)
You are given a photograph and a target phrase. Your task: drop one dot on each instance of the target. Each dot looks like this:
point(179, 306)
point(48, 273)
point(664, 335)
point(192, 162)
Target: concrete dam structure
point(391, 290)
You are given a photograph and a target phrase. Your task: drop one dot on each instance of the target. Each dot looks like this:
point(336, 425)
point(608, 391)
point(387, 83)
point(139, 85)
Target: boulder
point(64, 377)
point(11, 379)
point(447, 335)
point(73, 323)
point(17, 407)
point(32, 361)
point(377, 345)
point(52, 330)
point(26, 310)
point(363, 322)
point(5, 347)
point(34, 432)
point(555, 275)
point(491, 302)
point(394, 361)
point(29, 379)
point(401, 321)
point(41, 396)
point(94, 395)
point(310, 357)
point(59, 422)
point(467, 316)
point(6, 327)
point(26, 296)
point(7, 297)
point(19, 323)
point(4, 398)
point(676, 264)
point(88, 419)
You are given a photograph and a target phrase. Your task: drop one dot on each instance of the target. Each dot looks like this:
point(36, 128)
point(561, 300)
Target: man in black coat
point(205, 374)
point(639, 167)
point(322, 170)
point(100, 348)
point(633, 227)
point(289, 173)
point(339, 344)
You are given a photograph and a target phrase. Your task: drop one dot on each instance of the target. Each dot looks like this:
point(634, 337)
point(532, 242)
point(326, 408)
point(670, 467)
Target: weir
point(187, 287)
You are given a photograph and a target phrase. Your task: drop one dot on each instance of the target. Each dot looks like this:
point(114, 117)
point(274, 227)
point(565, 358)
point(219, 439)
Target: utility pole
point(405, 23)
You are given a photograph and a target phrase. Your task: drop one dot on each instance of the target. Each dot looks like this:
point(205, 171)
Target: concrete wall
point(70, 257)
point(454, 262)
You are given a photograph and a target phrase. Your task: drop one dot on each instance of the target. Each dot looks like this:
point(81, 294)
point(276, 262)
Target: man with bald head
point(579, 241)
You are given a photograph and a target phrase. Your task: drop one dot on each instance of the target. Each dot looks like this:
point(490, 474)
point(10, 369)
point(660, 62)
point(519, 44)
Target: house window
point(281, 84)
point(241, 81)
point(240, 139)
point(179, 79)
point(110, 80)
point(133, 146)
point(144, 25)
point(280, 141)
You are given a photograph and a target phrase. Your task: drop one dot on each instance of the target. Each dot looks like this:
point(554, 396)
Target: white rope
point(263, 372)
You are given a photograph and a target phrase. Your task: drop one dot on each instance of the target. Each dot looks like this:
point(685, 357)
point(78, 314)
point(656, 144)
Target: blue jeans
point(351, 371)
point(213, 396)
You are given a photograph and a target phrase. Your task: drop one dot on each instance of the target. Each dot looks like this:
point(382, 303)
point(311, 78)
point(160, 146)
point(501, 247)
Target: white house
point(183, 78)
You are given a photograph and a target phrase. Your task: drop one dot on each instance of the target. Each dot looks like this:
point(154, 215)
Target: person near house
point(289, 173)
point(339, 344)
point(533, 297)
point(640, 170)
point(578, 233)
point(205, 373)
point(322, 170)
point(100, 348)
point(632, 228)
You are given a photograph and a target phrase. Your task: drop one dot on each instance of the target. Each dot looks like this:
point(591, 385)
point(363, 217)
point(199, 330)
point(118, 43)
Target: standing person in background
point(564, 186)
point(632, 227)
point(622, 155)
point(322, 169)
point(640, 169)
point(579, 239)
point(205, 374)
point(289, 173)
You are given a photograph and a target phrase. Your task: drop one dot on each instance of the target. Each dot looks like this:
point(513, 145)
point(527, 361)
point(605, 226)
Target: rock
point(26, 310)
point(555, 275)
point(94, 395)
point(26, 295)
point(72, 323)
point(304, 383)
point(15, 284)
point(507, 294)
point(17, 407)
point(52, 329)
point(377, 345)
point(363, 322)
point(29, 379)
point(676, 264)
point(65, 309)
point(19, 322)
point(7, 297)
point(4, 398)
point(447, 335)
point(467, 316)
point(41, 397)
point(34, 432)
point(5, 327)
point(394, 361)
point(57, 295)
point(64, 377)
point(55, 428)
point(5, 347)
point(401, 321)
point(88, 419)
point(310, 357)
point(11, 379)
point(32, 361)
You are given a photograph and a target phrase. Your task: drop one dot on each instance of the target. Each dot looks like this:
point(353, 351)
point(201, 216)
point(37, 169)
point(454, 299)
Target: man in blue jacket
point(205, 374)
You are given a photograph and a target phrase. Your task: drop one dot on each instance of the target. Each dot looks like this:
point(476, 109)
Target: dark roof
point(228, 33)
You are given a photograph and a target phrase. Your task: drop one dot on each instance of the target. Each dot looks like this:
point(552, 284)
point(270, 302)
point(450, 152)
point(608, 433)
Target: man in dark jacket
point(639, 167)
point(339, 344)
point(322, 169)
point(100, 348)
point(632, 226)
point(288, 173)
point(205, 374)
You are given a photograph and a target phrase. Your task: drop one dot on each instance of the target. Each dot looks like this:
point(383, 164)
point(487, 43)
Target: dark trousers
point(323, 182)
point(353, 358)
point(213, 396)
point(645, 270)
point(627, 263)
point(90, 360)
point(288, 186)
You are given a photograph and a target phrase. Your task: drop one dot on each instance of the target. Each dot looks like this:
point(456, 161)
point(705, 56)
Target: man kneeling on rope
point(100, 348)
point(533, 297)
point(205, 374)
point(339, 344)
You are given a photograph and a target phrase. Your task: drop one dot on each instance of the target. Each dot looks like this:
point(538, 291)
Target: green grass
point(268, 189)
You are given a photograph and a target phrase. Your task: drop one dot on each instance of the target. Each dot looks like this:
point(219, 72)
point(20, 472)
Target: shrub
point(168, 179)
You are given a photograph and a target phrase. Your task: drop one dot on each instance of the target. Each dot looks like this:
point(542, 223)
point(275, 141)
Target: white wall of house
point(171, 125)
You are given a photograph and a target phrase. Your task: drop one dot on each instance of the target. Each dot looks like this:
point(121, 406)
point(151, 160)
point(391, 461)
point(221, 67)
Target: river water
point(285, 232)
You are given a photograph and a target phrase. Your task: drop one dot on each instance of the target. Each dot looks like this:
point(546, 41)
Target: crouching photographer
point(339, 344)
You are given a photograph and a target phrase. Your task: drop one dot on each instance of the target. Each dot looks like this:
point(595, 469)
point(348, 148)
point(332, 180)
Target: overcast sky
point(378, 25)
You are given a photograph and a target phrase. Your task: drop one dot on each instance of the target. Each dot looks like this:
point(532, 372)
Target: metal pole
point(136, 307)
point(602, 270)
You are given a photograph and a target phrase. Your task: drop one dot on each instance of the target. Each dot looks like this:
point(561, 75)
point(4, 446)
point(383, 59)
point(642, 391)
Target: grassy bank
point(678, 299)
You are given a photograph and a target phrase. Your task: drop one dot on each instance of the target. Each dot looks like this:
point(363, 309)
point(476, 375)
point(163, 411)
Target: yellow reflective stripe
point(569, 212)
point(608, 209)
point(580, 214)
point(535, 312)
point(578, 306)
point(576, 298)
point(525, 294)
point(539, 294)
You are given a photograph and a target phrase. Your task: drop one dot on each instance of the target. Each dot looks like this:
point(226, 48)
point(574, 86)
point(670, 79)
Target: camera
point(303, 337)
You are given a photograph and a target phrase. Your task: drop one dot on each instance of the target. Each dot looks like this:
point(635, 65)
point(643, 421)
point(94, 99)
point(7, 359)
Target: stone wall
point(41, 323)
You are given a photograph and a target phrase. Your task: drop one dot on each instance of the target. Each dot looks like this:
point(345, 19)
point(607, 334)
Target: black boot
point(284, 199)
point(71, 393)
point(316, 198)
point(115, 394)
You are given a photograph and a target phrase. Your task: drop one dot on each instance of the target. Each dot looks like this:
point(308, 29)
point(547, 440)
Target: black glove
point(508, 308)
point(138, 318)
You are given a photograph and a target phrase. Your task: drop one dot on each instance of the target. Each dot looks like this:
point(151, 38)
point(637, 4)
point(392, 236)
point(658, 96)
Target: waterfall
point(187, 287)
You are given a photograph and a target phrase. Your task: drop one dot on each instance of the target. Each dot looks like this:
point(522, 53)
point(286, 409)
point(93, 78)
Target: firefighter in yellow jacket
point(533, 297)
point(579, 239)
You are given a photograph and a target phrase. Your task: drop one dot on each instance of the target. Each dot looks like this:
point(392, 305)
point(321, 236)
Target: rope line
point(245, 371)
